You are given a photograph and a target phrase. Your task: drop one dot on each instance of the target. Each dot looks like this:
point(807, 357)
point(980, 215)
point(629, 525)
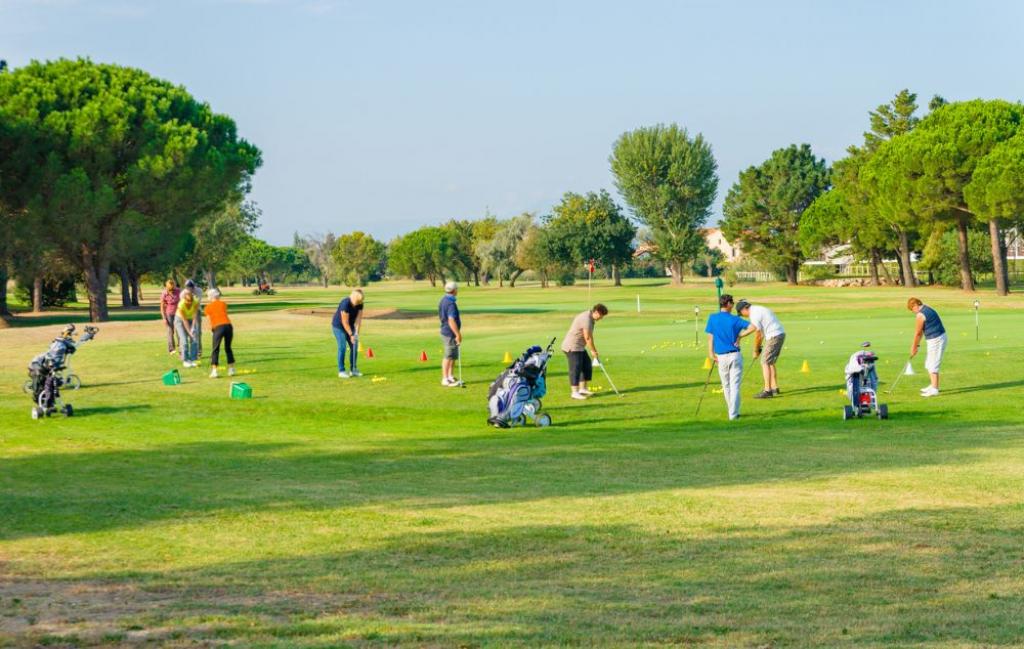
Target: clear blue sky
point(383, 116)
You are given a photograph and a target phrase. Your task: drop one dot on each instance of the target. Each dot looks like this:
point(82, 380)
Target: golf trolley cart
point(514, 398)
point(47, 373)
point(862, 386)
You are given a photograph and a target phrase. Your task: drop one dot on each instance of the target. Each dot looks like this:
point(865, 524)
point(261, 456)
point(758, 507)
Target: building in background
point(715, 240)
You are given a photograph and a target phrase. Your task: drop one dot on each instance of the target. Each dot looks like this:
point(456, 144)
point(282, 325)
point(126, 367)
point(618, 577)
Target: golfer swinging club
point(578, 340)
point(769, 337)
point(348, 318)
point(451, 333)
point(724, 331)
point(929, 325)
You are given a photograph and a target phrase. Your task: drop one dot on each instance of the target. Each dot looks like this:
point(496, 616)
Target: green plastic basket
point(241, 391)
point(172, 378)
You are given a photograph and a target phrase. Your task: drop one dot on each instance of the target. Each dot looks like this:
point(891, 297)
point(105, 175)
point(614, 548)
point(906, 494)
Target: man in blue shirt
point(347, 320)
point(724, 331)
point(451, 333)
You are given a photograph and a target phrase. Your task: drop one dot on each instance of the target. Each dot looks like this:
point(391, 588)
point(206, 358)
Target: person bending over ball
point(724, 331)
point(769, 337)
point(221, 329)
point(451, 333)
point(185, 325)
point(578, 340)
point(348, 318)
point(929, 325)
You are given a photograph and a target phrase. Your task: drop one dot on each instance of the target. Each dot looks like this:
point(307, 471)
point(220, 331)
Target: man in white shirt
point(769, 337)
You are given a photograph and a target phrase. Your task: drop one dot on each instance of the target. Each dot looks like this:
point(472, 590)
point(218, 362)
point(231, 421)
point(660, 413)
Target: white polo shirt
point(764, 319)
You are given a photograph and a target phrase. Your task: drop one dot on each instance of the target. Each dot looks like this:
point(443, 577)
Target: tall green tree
point(592, 226)
point(111, 142)
point(216, 235)
point(358, 256)
point(498, 254)
point(540, 252)
point(763, 208)
point(925, 172)
point(424, 252)
point(320, 250)
point(669, 180)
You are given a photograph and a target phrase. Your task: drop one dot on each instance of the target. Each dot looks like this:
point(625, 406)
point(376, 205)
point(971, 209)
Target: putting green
point(383, 510)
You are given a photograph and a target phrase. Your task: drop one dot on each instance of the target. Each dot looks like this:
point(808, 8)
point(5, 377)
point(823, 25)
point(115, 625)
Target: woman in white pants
point(929, 325)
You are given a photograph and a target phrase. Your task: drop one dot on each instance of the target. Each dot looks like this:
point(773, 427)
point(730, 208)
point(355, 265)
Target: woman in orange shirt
point(221, 328)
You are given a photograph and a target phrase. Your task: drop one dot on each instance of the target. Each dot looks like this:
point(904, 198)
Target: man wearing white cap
point(451, 333)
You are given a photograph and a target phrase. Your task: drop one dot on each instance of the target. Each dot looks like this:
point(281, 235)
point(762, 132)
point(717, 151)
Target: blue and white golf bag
point(515, 396)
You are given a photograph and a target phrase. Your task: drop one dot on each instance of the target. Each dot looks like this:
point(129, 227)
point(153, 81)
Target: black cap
point(742, 304)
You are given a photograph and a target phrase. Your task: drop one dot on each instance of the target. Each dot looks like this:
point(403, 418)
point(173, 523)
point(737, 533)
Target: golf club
point(705, 390)
point(462, 383)
point(900, 376)
point(354, 352)
point(610, 382)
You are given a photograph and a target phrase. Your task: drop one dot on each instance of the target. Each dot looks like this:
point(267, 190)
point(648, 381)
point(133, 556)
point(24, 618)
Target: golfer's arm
point(758, 339)
point(918, 331)
point(711, 346)
point(359, 321)
point(454, 326)
point(588, 339)
point(345, 323)
point(749, 330)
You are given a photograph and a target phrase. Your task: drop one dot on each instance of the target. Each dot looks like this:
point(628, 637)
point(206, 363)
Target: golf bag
point(862, 387)
point(45, 373)
point(515, 396)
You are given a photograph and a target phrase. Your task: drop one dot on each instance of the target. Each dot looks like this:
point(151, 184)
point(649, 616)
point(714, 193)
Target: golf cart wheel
point(883, 411)
point(520, 421)
point(68, 410)
point(73, 382)
point(847, 412)
point(544, 420)
point(27, 387)
point(37, 413)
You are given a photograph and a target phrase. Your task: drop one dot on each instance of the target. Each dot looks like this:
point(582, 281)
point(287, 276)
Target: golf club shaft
point(900, 376)
point(610, 382)
point(707, 381)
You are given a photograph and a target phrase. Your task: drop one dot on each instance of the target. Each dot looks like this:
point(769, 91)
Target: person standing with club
point(929, 325)
point(724, 331)
point(347, 320)
point(578, 340)
point(451, 333)
point(222, 331)
point(769, 337)
point(169, 299)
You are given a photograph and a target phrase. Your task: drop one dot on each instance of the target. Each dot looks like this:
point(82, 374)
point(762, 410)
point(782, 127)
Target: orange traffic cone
point(369, 352)
point(423, 356)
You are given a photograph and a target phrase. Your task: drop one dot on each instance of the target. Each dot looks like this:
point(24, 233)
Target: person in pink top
point(169, 299)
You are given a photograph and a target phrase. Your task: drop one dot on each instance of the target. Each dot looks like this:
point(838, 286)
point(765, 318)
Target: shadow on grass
point(75, 492)
point(910, 577)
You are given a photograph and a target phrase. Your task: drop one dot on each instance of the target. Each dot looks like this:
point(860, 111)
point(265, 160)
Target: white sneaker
point(231, 371)
point(930, 392)
point(213, 373)
point(579, 395)
point(447, 381)
point(925, 389)
point(343, 375)
point(585, 392)
point(356, 373)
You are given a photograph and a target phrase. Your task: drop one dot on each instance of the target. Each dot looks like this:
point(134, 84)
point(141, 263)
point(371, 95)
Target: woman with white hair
point(222, 329)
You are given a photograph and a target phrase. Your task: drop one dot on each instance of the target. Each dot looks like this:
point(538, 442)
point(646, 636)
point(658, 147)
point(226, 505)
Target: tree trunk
point(97, 276)
point(1004, 254)
point(793, 273)
point(211, 278)
point(906, 266)
point(616, 275)
point(966, 279)
point(126, 287)
point(501, 280)
point(512, 280)
point(885, 269)
point(998, 261)
point(326, 280)
point(136, 292)
point(476, 278)
point(4, 310)
point(875, 260)
point(433, 280)
point(37, 294)
point(675, 267)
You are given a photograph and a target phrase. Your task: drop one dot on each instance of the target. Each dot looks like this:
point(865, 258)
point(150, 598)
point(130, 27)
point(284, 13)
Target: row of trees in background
point(108, 174)
point(940, 186)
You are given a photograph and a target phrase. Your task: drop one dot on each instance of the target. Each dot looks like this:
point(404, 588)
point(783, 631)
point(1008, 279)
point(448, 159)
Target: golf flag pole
point(977, 321)
point(696, 326)
point(638, 303)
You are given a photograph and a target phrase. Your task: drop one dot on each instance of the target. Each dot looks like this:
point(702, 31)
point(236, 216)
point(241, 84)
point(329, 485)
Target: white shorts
point(936, 348)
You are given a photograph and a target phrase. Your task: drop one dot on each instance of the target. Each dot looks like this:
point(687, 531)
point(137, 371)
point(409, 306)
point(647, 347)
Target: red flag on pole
point(591, 265)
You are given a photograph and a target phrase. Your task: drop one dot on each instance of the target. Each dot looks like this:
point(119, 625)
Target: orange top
point(217, 312)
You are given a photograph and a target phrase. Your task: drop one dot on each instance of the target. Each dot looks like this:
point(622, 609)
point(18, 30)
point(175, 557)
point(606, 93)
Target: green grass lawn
point(381, 512)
